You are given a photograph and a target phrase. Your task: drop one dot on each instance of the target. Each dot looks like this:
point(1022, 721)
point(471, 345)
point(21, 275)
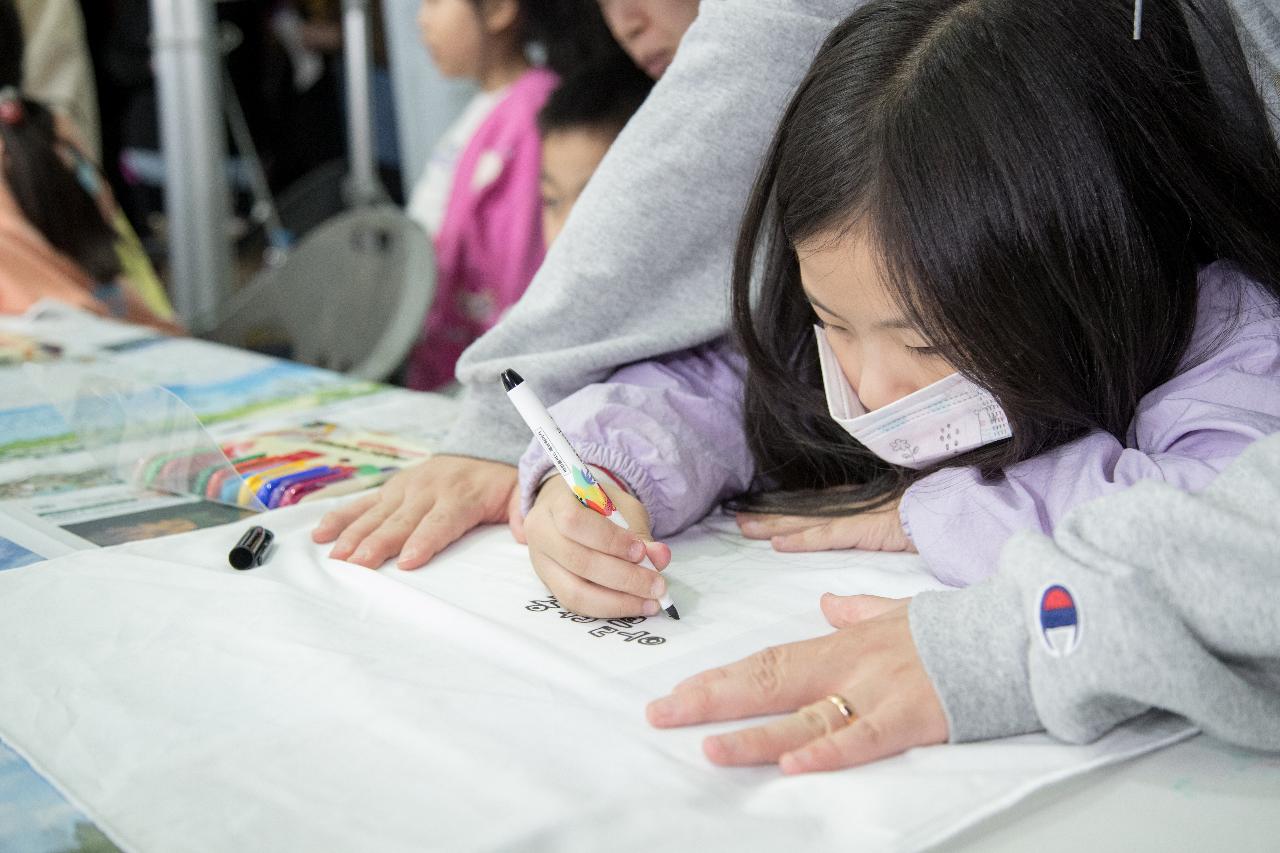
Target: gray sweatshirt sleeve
point(1149, 598)
point(1258, 23)
point(642, 268)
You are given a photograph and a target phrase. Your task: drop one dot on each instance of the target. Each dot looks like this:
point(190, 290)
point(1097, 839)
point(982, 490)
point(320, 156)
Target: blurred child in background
point(478, 196)
point(581, 120)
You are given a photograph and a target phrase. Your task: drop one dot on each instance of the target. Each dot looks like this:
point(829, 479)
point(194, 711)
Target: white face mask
point(950, 417)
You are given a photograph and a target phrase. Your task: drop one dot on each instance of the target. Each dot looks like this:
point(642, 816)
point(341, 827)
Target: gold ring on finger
point(843, 706)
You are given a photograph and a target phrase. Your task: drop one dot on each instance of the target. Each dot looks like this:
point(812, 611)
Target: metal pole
point(192, 138)
point(364, 187)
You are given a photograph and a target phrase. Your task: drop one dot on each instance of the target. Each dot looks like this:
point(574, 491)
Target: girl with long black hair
point(1043, 261)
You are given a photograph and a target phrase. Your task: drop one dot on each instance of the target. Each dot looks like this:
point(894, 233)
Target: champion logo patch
point(1059, 621)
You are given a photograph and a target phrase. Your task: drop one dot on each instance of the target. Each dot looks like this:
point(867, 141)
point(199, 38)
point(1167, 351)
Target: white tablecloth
point(314, 705)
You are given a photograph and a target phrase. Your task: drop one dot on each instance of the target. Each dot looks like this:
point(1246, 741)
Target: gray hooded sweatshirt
point(1174, 605)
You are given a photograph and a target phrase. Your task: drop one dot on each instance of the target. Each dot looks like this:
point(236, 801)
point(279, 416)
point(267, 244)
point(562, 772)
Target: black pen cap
point(252, 548)
point(510, 379)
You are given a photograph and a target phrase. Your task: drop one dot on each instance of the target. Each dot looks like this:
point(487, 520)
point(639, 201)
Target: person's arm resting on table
point(1173, 597)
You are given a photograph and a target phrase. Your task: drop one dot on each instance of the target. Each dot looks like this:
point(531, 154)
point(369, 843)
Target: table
point(63, 495)
point(55, 498)
point(1196, 795)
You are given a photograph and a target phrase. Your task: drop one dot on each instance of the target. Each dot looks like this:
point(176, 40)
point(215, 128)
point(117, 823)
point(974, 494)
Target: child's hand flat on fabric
point(588, 562)
point(877, 530)
point(419, 512)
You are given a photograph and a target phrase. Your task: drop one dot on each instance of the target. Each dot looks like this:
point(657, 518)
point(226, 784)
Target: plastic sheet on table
point(142, 433)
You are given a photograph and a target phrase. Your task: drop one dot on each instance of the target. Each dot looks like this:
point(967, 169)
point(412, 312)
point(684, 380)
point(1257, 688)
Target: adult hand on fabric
point(871, 663)
point(419, 512)
point(588, 562)
point(876, 530)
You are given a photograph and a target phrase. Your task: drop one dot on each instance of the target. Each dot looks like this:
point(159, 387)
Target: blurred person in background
point(59, 225)
point(478, 198)
point(58, 70)
point(579, 123)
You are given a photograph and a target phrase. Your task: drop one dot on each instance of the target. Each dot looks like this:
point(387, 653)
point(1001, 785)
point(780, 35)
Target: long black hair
point(1041, 190)
point(38, 171)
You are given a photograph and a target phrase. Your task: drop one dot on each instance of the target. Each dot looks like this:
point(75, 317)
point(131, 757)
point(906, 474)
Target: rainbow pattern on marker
point(590, 493)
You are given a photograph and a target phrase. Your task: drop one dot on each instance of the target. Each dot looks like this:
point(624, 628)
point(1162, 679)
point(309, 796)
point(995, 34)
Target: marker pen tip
point(673, 613)
point(510, 379)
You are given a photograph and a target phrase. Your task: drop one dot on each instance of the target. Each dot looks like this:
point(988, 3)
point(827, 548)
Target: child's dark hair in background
point(38, 168)
point(579, 123)
point(1041, 190)
point(600, 97)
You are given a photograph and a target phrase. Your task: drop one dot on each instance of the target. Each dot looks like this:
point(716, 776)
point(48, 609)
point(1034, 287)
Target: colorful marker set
point(282, 468)
point(275, 481)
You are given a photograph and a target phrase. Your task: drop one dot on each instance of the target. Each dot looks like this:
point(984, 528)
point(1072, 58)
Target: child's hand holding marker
point(586, 565)
point(590, 564)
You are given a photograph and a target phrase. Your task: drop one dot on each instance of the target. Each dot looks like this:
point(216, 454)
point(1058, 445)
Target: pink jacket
point(490, 243)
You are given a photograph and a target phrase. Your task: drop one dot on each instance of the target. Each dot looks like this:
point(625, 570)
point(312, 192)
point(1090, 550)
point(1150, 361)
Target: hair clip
point(11, 111)
point(1137, 20)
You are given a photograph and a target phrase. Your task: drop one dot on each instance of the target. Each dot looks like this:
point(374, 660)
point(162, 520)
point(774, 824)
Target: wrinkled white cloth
point(315, 705)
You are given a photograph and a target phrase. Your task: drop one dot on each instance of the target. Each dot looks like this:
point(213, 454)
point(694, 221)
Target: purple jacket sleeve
point(670, 428)
point(1226, 396)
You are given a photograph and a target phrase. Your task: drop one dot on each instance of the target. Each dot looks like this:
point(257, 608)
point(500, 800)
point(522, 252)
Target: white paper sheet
point(314, 705)
point(35, 535)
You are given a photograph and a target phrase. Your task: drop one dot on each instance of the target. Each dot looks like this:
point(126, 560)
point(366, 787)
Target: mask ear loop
point(1137, 20)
